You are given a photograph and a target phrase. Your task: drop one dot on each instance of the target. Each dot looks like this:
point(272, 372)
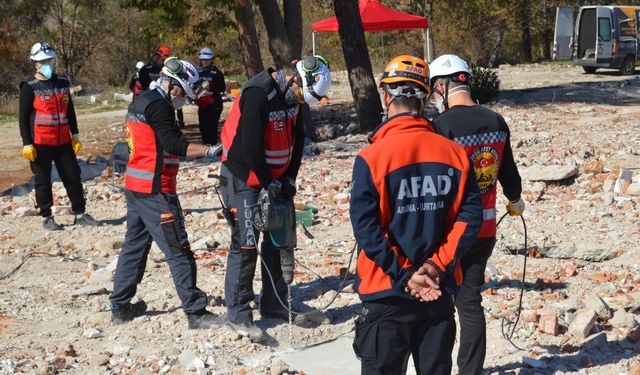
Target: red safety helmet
point(163, 51)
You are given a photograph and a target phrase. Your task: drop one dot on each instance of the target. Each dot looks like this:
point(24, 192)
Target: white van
point(604, 37)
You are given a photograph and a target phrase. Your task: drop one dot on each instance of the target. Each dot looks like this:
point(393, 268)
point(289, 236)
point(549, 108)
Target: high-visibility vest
point(278, 131)
point(50, 123)
point(150, 169)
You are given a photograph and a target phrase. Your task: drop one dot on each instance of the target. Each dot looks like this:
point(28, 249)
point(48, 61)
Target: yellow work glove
point(75, 143)
point(29, 152)
point(515, 208)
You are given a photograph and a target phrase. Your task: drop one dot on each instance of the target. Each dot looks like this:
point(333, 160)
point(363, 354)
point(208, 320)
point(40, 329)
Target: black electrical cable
point(509, 336)
point(338, 290)
point(34, 254)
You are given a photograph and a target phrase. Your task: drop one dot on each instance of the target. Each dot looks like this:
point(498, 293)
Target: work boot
point(126, 313)
point(248, 329)
point(85, 219)
point(202, 319)
point(49, 224)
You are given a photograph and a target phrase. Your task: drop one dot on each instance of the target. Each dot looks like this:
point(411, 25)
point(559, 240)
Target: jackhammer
point(278, 217)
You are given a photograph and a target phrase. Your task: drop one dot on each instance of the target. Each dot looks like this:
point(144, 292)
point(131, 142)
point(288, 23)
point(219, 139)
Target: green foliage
point(485, 84)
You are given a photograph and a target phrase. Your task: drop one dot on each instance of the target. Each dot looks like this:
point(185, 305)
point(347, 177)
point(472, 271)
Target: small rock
point(61, 210)
point(533, 362)
point(92, 333)
point(583, 323)
point(88, 290)
point(278, 368)
point(593, 166)
point(530, 316)
point(341, 198)
point(598, 305)
point(25, 211)
point(100, 277)
point(623, 181)
point(190, 361)
point(633, 189)
point(548, 324)
point(99, 360)
point(318, 317)
point(622, 319)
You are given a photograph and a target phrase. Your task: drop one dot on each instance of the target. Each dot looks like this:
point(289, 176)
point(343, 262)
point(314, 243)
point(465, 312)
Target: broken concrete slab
point(549, 172)
point(89, 290)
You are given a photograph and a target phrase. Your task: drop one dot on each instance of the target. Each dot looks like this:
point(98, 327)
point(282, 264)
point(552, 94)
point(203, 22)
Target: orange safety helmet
point(163, 51)
point(403, 68)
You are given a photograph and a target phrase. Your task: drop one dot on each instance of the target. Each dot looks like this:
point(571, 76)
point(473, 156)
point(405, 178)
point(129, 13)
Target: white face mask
point(178, 101)
point(440, 105)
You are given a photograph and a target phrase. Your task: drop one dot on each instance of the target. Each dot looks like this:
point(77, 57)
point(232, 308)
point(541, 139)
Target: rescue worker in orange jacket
point(485, 137)
point(263, 139)
point(415, 209)
point(153, 208)
point(49, 133)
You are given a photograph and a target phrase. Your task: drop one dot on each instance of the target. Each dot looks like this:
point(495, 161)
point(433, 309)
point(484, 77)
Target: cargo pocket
point(365, 343)
point(171, 235)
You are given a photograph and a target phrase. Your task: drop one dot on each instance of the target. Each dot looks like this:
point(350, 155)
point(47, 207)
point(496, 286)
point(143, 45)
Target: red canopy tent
point(375, 17)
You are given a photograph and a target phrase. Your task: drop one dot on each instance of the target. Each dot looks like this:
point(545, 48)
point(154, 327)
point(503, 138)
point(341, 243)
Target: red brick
point(548, 324)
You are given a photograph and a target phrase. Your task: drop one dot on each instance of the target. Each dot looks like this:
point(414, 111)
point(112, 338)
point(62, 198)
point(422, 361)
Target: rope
point(504, 322)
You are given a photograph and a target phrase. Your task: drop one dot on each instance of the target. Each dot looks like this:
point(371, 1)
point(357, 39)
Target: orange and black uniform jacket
point(485, 137)
point(263, 137)
point(414, 199)
point(155, 144)
point(47, 117)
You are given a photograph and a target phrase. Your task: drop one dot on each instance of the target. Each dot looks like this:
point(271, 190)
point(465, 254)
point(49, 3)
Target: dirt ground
point(583, 236)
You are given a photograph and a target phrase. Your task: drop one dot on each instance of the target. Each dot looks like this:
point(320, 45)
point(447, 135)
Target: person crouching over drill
point(263, 140)
point(153, 207)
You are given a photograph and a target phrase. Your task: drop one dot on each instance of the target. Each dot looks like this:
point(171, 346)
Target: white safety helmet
point(448, 66)
point(205, 54)
point(316, 78)
point(183, 73)
point(42, 51)
point(139, 65)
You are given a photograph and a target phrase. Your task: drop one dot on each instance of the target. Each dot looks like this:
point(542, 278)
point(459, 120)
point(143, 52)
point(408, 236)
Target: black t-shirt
point(463, 121)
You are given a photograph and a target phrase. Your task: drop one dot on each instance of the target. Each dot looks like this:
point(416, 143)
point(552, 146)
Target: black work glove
point(275, 189)
point(288, 188)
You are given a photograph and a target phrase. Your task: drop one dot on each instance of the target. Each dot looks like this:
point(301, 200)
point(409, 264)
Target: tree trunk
point(293, 24)
point(525, 20)
point(248, 38)
point(279, 42)
point(356, 56)
point(547, 35)
point(495, 53)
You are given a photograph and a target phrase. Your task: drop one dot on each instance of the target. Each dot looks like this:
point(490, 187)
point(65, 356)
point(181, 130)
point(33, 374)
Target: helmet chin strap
point(449, 92)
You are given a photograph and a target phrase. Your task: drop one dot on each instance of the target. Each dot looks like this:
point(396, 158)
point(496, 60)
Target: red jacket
point(150, 168)
point(262, 137)
point(414, 200)
point(51, 103)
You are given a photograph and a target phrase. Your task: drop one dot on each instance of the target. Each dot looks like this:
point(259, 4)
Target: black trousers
point(156, 218)
point(242, 258)
point(390, 329)
point(468, 301)
point(69, 171)
point(208, 118)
